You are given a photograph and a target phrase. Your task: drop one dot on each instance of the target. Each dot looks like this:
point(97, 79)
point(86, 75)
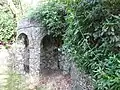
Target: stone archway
point(49, 56)
point(23, 41)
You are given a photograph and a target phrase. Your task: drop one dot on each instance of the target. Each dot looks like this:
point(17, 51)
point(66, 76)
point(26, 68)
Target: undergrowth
point(14, 82)
point(93, 39)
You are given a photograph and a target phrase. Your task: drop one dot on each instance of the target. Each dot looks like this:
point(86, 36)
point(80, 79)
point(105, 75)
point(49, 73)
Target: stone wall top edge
point(27, 22)
point(25, 27)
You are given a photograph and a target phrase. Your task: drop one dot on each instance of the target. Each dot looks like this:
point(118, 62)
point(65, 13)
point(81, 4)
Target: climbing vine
point(52, 17)
point(91, 35)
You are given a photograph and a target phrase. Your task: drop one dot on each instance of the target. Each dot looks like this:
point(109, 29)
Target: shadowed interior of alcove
point(24, 42)
point(49, 56)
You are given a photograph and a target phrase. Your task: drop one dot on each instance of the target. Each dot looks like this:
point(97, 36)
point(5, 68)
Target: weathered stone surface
point(37, 51)
point(80, 80)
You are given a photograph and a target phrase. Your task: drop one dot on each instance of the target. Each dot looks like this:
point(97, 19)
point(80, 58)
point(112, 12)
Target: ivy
point(52, 17)
point(91, 35)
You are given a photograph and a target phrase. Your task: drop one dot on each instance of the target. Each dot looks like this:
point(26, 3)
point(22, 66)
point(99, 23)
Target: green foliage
point(108, 74)
point(51, 15)
point(14, 82)
point(92, 36)
point(7, 24)
point(112, 5)
point(93, 40)
point(7, 27)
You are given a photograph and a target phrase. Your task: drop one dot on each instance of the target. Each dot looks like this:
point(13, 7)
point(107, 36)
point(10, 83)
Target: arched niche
point(49, 56)
point(23, 41)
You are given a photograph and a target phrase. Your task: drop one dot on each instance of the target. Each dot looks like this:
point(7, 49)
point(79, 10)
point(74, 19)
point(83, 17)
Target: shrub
point(92, 38)
point(7, 25)
point(51, 15)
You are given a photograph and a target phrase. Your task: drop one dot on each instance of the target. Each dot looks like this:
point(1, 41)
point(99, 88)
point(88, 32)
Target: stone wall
point(36, 51)
point(34, 33)
point(80, 80)
point(42, 51)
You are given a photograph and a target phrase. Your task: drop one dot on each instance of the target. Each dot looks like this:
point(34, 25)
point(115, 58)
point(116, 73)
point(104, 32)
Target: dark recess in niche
point(22, 38)
point(49, 52)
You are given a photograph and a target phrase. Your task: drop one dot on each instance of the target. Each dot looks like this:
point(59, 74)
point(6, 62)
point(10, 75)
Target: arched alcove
point(49, 56)
point(23, 41)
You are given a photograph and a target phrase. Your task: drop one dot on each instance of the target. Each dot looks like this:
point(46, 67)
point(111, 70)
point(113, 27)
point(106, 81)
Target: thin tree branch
point(12, 7)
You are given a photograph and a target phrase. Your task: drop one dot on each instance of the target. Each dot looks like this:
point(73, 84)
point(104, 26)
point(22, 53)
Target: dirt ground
point(50, 79)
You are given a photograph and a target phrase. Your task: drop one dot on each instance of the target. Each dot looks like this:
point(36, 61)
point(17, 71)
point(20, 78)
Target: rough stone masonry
point(37, 51)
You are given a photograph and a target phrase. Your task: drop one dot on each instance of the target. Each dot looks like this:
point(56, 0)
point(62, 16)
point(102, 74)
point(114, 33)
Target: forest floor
point(50, 79)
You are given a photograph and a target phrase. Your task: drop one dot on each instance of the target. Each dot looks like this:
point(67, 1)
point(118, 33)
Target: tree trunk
point(13, 9)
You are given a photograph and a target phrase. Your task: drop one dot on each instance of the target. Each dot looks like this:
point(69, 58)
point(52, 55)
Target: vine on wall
point(52, 17)
point(91, 35)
